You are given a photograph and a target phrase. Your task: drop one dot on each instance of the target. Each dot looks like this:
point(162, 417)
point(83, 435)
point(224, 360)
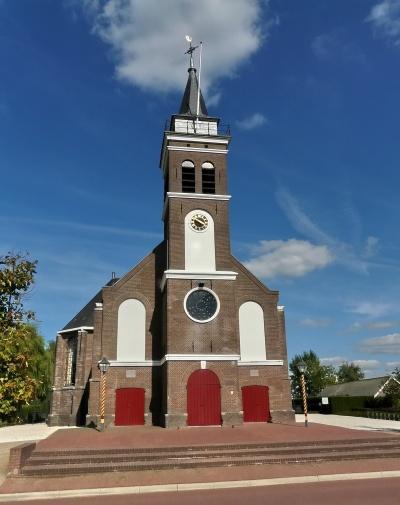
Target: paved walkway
point(25, 432)
point(354, 423)
point(10, 436)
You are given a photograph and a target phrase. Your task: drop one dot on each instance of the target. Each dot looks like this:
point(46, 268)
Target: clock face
point(199, 222)
point(201, 305)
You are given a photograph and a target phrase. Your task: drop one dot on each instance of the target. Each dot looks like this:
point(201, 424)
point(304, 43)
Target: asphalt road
point(356, 492)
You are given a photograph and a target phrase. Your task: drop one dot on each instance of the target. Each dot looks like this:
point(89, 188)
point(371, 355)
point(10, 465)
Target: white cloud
point(367, 364)
point(351, 256)
point(333, 360)
point(370, 309)
point(147, 37)
point(315, 323)
point(299, 219)
point(254, 121)
point(371, 246)
point(335, 44)
point(381, 325)
point(385, 20)
point(290, 258)
point(392, 364)
point(388, 344)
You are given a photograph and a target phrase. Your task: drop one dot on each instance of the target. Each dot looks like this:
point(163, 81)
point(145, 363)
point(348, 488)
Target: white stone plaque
point(253, 373)
point(130, 374)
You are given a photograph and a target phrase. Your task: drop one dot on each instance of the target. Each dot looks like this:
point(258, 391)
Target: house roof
point(362, 387)
point(85, 316)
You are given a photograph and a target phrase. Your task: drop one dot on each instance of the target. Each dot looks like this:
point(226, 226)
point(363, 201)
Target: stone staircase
point(72, 462)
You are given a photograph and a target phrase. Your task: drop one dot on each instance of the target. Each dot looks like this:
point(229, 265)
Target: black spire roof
point(189, 100)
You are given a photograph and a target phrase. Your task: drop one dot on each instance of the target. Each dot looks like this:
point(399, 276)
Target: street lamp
point(302, 368)
point(103, 366)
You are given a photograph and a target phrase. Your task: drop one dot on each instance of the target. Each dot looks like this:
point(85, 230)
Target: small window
point(188, 177)
point(208, 178)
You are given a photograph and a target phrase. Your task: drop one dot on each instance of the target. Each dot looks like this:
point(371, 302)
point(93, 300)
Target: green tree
point(16, 277)
point(348, 372)
point(392, 388)
point(317, 376)
point(25, 363)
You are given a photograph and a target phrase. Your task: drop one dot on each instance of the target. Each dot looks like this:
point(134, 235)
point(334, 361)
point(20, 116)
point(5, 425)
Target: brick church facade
point(192, 337)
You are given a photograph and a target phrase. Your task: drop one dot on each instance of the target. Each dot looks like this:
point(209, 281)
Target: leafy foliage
point(16, 277)
point(349, 372)
point(392, 388)
point(317, 376)
point(25, 362)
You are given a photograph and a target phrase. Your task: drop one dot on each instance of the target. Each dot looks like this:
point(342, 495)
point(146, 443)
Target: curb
point(163, 488)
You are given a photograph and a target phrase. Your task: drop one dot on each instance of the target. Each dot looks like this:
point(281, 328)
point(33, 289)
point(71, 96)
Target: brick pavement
point(158, 437)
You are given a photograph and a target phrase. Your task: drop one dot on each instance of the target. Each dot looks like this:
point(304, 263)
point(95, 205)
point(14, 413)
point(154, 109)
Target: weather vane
point(190, 51)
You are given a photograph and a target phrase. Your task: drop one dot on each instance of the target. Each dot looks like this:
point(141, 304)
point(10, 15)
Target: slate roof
point(85, 316)
point(189, 100)
point(363, 387)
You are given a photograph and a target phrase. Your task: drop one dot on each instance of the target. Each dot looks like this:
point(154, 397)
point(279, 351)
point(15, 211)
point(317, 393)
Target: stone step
point(188, 462)
point(43, 458)
point(219, 447)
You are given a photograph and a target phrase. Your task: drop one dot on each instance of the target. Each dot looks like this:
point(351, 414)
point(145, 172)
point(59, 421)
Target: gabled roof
point(363, 387)
point(85, 316)
point(189, 100)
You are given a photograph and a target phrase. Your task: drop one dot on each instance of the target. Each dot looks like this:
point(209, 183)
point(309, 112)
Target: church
point(189, 335)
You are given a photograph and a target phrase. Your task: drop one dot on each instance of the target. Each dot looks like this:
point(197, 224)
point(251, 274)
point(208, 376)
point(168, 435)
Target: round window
point(201, 305)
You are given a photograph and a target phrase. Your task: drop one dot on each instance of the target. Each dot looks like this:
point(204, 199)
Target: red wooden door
point(129, 406)
point(255, 404)
point(204, 399)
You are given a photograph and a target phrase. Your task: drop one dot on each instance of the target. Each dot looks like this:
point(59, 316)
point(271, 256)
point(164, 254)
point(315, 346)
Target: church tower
point(191, 336)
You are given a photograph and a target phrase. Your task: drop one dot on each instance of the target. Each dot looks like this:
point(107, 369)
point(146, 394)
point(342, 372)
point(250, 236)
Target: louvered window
point(208, 178)
point(188, 177)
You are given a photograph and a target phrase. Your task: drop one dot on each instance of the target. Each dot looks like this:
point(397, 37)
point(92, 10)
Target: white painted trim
point(176, 357)
point(198, 196)
point(268, 362)
point(281, 308)
point(186, 274)
point(205, 320)
point(197, 149)
point(203, 140)
point(201, 357)
point(81, 328)
point(135, 363)
point(195, 196)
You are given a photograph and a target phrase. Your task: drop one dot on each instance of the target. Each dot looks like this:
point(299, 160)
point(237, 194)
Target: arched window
point(208, 177)
point(188, 177)
point(252, 334)
point(70, 368)
point(199, 241)
point(131, 335)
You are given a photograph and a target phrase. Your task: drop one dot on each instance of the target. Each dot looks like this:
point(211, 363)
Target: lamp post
point(103, 366)
point(302, 368)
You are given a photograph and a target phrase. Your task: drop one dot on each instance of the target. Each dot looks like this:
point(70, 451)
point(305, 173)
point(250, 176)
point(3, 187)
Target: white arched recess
point(131, 335)
point(199, 245)
point(252, 334)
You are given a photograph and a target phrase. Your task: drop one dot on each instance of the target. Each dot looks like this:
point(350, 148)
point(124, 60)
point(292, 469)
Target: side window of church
point(70, 369)
point(131, 335)
point(208, 178)
point(188, 177)
point(252, 334)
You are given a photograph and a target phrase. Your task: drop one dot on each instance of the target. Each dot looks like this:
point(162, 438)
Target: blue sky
point(310, 90)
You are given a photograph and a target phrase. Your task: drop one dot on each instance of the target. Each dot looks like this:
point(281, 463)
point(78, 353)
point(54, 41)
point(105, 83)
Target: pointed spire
point(189, 101)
